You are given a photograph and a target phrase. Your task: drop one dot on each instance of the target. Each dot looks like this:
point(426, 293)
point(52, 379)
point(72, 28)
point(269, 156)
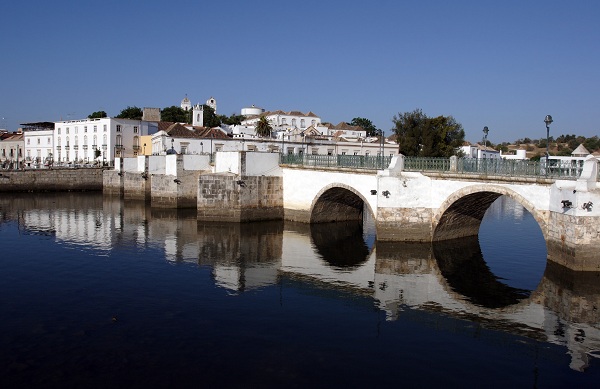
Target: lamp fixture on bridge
point(587, 206)
point(177, 181)
point(145, 175)
point(373, 192)
point(548, 121)
point(120, 174)
point(241, 183)
point(566, 203)
point(386, 193)
point(485, 134)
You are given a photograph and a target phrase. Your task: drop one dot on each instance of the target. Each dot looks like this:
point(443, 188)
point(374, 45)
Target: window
point(58, 142)
point(118, 128)
point(49, 141)
point(104, 128)
point(59, 131)
point(76, 129)
point(95, 128)
point(283, 121)
point(67, 130)
point(294, 122)
point(135, 129)
point(329, 151)
point(302, 125)
point(84, 128)
point(119, 141)
point(39, 141)
point(28, 141)
point(218, 147)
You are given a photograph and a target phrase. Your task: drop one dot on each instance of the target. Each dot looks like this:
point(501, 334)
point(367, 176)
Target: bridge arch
point(338, 202)
point(461, 213)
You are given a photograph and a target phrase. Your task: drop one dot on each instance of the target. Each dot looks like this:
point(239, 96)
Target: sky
point(501, 64)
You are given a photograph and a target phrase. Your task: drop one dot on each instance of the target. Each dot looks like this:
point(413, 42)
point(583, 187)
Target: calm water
point(95, 292)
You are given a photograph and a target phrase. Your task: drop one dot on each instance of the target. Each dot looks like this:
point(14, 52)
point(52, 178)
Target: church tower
point(212, 103)
point(186, 105)
point(198, 116)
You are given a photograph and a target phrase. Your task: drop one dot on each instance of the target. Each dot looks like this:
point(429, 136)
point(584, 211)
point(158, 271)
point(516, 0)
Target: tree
point(419, 135)
point(366, 125)
point(232, 120)
point(263, 127)
point(97, 115)
point(174, 114)
point(211, 119)
point(131, 113)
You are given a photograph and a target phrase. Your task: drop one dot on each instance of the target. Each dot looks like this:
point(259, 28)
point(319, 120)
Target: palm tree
point(263, 127)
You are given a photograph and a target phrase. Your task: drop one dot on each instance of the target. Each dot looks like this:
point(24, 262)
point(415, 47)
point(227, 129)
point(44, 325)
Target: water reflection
point(462, 265)
point(451, 278)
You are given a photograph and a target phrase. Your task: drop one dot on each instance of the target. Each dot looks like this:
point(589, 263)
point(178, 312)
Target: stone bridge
point(406, 206)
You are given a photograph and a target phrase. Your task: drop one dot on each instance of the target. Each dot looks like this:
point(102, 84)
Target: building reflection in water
point(451, 278)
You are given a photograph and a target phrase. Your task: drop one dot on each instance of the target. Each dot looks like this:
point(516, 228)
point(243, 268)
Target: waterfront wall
point(51, 180)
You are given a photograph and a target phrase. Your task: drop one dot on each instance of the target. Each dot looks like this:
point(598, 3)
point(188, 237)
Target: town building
point(38, 143)
point(479, 151)
point(99, 140)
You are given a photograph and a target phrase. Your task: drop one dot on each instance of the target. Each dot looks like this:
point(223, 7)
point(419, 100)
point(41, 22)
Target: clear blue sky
point(502, 64)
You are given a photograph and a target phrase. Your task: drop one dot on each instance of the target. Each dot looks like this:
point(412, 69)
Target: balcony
point(104, 147)
point(75, 147)
point(67, 147)
point(136, 148)
point(85, 147)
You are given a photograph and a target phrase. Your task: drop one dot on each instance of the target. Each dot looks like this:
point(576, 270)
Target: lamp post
point(173, 145)
point(548, 121)
point(485, 134)
point(202, 147)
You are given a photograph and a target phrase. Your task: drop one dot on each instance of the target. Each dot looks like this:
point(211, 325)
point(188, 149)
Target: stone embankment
point(51, 180)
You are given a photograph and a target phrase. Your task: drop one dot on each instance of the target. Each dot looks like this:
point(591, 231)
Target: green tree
point(131, 113)
point(263, 127)
point(211, 119)
point(97, 115)
point(232, 120)
point(419, 135)
point(174, 114)
point(366, 125)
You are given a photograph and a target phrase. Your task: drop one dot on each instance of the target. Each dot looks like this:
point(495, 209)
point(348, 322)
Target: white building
point(11, 151)
point(38, 141)
point(480, 152)
point(100, 140)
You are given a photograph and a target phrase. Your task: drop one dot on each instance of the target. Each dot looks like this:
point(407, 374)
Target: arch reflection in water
point(462, 265)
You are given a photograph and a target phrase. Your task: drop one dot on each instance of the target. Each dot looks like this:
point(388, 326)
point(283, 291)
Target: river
point(99, 293)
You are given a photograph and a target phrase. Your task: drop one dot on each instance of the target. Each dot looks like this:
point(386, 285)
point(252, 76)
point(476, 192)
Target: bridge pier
point(573, 238)
point(245, 187)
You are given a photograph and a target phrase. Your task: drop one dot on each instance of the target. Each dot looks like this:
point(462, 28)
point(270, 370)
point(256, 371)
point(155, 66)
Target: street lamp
point(485, 134)
point(202, 146)
point(173, 145)
point(548, 121)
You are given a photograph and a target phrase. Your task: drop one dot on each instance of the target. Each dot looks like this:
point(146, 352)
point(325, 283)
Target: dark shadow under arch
point(337, 204)
point(463, 217)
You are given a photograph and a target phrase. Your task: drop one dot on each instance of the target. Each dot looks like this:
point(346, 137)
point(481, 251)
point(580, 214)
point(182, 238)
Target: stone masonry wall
point(404, 224)
point(55, 180)
point(574, 241)
point(231, 198)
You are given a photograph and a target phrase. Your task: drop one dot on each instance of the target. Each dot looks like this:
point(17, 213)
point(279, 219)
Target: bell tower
point(198, 116)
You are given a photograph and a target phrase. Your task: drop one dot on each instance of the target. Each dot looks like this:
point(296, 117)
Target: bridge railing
point(347, 161)
point(485, 166)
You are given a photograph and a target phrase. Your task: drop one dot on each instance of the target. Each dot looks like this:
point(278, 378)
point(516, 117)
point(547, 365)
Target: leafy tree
point(263, 127)
point(131, 113)
point(419, 135)
point(211, 119)
point(174, 114)
point(97, 115)
point(366, 125)
point(231, 120)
